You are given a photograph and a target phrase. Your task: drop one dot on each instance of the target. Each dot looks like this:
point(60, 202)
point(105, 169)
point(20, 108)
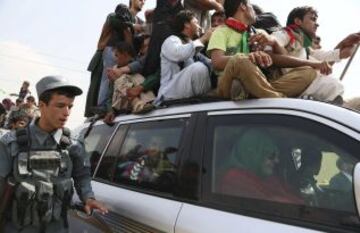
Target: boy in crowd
point(217, 19)
point(118, 100)
point(18, 119)
point(30, 107)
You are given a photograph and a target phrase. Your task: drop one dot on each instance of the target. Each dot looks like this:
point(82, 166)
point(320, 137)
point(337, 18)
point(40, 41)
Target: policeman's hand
point(324, 68)
point(134, 91)
point(261, 59)
point(92, 204)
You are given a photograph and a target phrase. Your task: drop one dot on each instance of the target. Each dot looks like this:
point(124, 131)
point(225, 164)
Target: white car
point(266, 165)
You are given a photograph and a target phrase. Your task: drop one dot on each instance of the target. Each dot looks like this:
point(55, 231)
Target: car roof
point(339, 114)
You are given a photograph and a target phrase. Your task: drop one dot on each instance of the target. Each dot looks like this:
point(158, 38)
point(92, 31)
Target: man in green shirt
point(238, 55)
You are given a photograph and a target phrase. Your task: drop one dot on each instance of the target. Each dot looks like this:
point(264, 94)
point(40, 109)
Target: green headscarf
point(251, 150)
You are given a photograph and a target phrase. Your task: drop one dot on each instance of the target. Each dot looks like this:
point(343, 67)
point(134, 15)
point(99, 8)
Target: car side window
point(282, 160)
point(95, 142)
point(148, 156)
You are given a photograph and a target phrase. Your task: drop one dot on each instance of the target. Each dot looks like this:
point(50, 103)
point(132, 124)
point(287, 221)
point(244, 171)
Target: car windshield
point(60, 37)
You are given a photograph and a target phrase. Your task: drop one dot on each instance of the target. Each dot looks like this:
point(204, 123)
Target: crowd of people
point(19, 114)
point(183, 51)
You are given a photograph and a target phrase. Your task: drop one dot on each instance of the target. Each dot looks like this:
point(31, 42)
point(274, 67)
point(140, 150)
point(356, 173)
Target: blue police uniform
point(78, 169)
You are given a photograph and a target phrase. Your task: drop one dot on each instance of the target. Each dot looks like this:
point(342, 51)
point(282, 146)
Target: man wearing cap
point(40, 165)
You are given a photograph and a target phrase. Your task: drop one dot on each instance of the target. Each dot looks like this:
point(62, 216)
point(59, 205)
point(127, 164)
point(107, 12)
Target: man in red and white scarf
point(297, 38)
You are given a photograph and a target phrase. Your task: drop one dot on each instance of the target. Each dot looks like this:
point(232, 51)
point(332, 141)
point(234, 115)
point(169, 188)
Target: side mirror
point(356, 181)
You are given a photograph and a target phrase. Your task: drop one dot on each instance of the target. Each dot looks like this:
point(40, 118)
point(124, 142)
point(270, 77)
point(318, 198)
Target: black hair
point(2, 109)
point(125, 47)
point(258, 10)
point(299, 12)
point(218, 13)
point(47, 95)
point(18, 115)
point(183, 17)
point(30, 98)
point(231, 6)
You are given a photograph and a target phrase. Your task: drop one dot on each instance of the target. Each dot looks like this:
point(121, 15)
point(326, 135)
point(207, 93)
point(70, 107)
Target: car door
point(275, 171)
point(95, 139)
point(138, 174)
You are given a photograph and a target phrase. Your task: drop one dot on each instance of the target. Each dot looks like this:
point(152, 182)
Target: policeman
point(43, 164)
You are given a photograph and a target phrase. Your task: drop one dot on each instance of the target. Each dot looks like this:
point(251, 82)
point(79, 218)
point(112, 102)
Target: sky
point(51, 37)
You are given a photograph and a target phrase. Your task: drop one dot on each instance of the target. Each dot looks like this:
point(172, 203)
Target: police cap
point(53, 82)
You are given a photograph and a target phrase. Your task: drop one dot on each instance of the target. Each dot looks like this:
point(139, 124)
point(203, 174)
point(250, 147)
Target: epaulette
point(8, 138)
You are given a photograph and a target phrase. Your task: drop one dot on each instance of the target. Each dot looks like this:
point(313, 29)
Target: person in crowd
point(119, 101)
point(251, 170)
point(201, 10)
point(3, 129)
point(297, 38)
point(19, 102)
point(184, 71)
point(2, 118)
point(135, 6)
point(150, 84)
point(42, 192)
point(149, 15)
point(310, 165)
point(217, 19)
point(342, 181)
point(141, 45)
point(341, 185)
point(18, 119)
point(7, 103)
point(30, 107)
point(24, 90)
point(238, 55)
point(163, 17)
point(316, 43)
point(117, 27)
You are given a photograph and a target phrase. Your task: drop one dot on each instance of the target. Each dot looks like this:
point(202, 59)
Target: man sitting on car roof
point(184, 71)
point(297, 38)
point(238, 56)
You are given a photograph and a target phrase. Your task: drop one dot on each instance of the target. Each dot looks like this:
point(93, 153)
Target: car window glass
point(148, 156)
point(96, 141)
point(282, 163)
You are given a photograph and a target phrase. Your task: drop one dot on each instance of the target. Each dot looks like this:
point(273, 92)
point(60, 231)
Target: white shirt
point(174, 51)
